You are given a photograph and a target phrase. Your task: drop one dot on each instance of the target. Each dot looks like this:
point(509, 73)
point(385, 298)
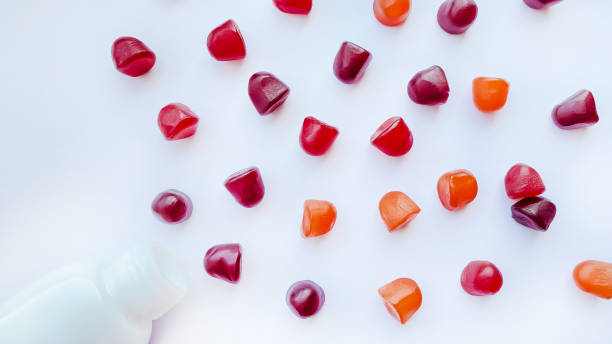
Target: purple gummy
point(534, 212)
point(305, 298)
point(246, 186)
point(224, 262)
point(267, 92)
point(577, 111)
point(351, 62)
point(429, 87)
point(172, 206)
point(456, 16)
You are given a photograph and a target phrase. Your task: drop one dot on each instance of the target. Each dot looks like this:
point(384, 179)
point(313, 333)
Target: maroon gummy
point(534, 212)
point(172, 206)
point(224, 262)
point(246, 186)
point(305, 298)
point(225, 42)
point(429, 86)
point(351, 62)
point(523, 181)
point(540, 4)
point(317, 137)
point(132, 57)
point(267, 92)
point(294, 6)
point(456, 16)
point(480, 278)
point(393, 137)
point(577, 111)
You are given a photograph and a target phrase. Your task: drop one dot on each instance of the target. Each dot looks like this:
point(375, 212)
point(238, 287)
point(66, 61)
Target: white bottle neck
point(146, 282)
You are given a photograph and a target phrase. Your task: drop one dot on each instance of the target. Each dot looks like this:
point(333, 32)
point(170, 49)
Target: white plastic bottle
point(96, 304)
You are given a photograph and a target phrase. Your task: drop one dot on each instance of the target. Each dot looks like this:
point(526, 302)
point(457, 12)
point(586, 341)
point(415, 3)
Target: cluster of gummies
point(456, 189)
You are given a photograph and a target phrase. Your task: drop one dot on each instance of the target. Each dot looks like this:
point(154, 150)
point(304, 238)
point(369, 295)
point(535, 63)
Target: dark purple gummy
point(540, 4)
point(224, 262)
point(172, 206)
point(577, 111)
point(534, 212)
point(456, 16)
point(267, 92)
point(429, 87)
point(351, 62)
point(305, 298)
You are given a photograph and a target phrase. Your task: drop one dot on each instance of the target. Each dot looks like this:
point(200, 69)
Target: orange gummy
point(402, 298)
point(594, 277)
point(456, 189)
point(319, 218)
point(391, 12)
point(397, 209)
point(490, 94)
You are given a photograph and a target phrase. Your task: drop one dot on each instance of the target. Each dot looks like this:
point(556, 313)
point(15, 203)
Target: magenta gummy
point(305, 298)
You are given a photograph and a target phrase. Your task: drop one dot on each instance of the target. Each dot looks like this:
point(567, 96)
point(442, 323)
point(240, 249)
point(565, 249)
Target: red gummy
point(480, 278)
point(429, 87)
point(225, 42)
point(246, 186)
point(294, 6)
point(456, 16)
point(534, 212)
point(132, 57)
point(540, 4)
point(351, 62)
point(393, 137)
point(267, 92)
point(577, 111)
point(317, 137)
point(176, 121)
point(523, 181)
point(224, 262)
point(172, 206)
point(305, 298)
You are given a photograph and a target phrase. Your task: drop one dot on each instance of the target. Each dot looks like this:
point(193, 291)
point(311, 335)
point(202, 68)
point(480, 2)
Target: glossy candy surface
point(457, 189)
point(319, 218)
point(305, 298)
point(246, 186)
point(429, 87)
point(176, 121)
point(534, 212)
point(481, 278)
point(392, 137)
point(523, 181)
point(267, 92)
point(294, 6)
point(391, 12)
point(317, 137)
point(577, 111)
point(224, 262)
point(490, 94)
point(397, 210)
point(540, 4)
point(225, 42)
point(456, 16)
point(594, 277)
point(132, 57)
point(172, 206)
point(402, 298)
point(351, 62)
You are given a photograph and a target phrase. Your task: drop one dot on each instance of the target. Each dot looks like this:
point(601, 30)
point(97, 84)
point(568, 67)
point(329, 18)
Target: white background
point(82, 158)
